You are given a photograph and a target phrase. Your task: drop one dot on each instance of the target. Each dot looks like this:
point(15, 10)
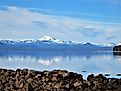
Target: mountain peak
point(87, 43)
point(47, 38)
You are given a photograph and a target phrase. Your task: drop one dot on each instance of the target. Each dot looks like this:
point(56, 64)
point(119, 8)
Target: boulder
point(117, 50)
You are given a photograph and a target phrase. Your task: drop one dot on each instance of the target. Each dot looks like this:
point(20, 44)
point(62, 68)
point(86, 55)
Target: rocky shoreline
point(56, 80)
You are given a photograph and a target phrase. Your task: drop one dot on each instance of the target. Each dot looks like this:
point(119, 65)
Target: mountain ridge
point(50, 43)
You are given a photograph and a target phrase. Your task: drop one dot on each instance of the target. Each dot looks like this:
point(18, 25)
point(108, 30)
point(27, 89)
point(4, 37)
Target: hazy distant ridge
point(49, 43)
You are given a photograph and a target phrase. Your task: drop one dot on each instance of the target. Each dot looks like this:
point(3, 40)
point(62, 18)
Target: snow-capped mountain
point(48, 38)
point(119, 43)
point(110, 45)
point(50, 43)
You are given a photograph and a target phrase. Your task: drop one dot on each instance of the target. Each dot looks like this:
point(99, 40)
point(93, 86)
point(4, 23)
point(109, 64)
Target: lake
point(84, 63)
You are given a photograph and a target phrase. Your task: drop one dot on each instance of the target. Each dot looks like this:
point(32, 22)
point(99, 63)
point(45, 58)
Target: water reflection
point(80, 62)
point(117, 53)
point(52, 61)
point(49, 61)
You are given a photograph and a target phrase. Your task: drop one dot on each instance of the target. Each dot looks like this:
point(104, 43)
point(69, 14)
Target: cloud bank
point(23, 23)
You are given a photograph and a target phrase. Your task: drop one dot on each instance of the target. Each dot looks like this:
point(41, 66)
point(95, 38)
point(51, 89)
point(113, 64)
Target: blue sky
point(95, 21)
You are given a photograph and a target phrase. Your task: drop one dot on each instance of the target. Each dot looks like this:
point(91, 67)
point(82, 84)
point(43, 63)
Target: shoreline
point(55, 80)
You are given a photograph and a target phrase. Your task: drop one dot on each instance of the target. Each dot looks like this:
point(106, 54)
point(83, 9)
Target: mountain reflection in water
point(76, 61)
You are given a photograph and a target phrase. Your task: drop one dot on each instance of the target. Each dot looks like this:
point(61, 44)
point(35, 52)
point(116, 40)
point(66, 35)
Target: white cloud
point(23, 23)
point(12, 8)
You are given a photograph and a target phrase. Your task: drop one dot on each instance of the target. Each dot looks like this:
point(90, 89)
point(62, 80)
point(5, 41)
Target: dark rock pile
point(56, 80)
point(117, 50)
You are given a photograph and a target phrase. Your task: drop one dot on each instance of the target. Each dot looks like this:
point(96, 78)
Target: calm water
point(80, 62)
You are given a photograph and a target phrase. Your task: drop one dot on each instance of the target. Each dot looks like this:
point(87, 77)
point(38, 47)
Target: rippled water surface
point(81, 62)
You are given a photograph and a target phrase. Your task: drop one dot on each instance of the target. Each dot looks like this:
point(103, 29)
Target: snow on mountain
point(87, 44)
point(119, 43)
point(6, 41)
point(48, 38)
point(110, 45)
point(50, 43)
point(11, 41)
